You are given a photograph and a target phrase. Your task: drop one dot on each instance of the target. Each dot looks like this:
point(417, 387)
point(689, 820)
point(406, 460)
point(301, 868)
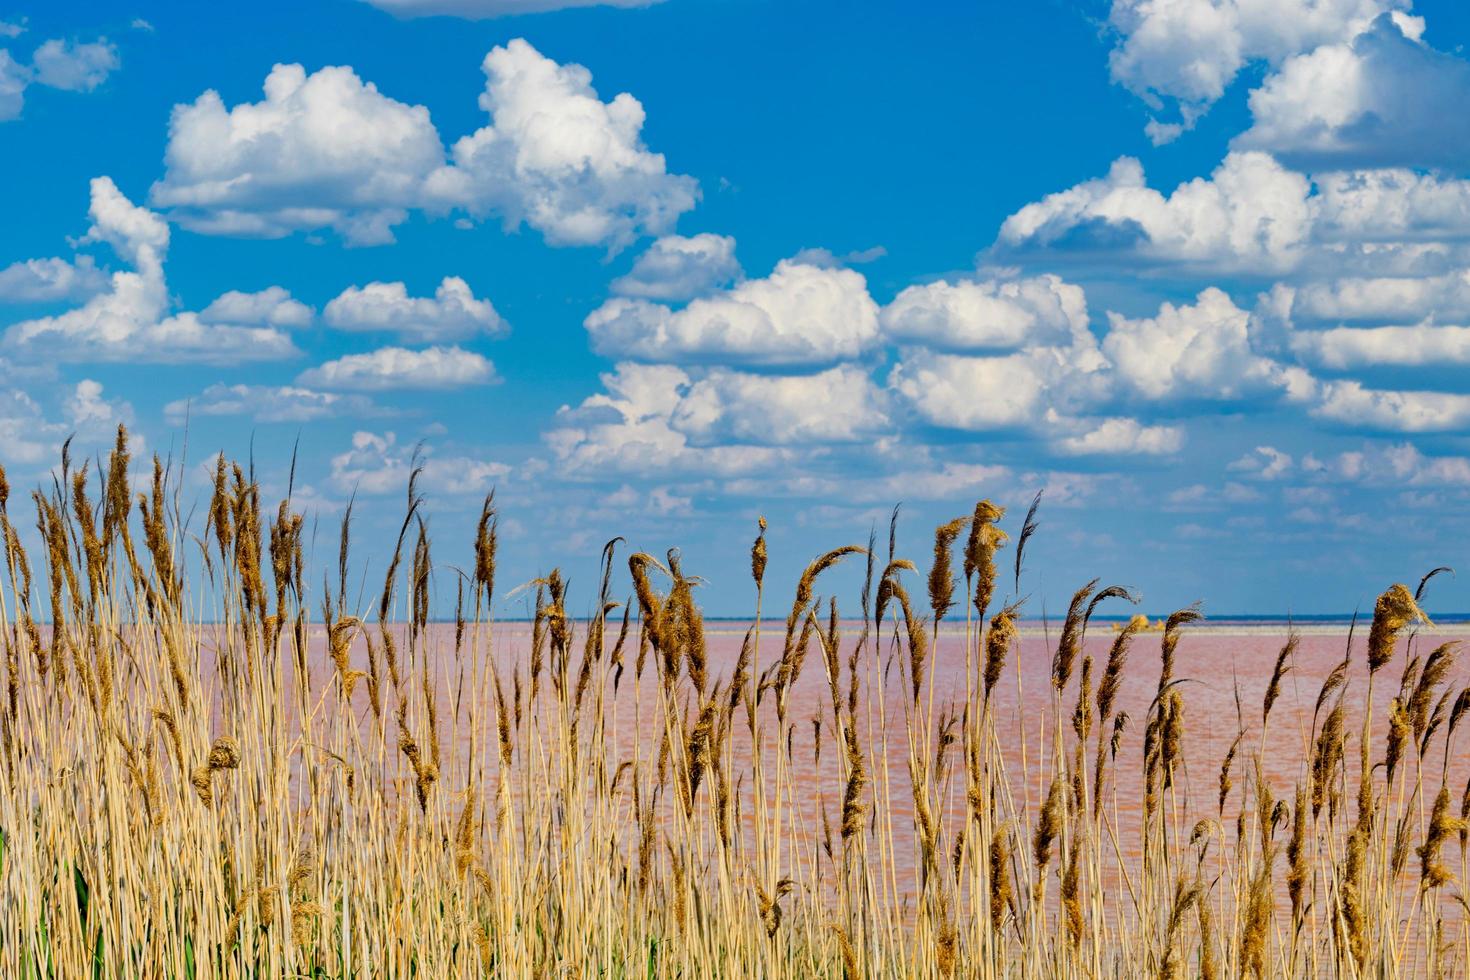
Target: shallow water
point(1222, 672)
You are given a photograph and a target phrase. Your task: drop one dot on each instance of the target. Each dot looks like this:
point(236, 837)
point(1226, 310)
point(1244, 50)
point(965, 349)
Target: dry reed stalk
point(984, 541)
point(581, 874)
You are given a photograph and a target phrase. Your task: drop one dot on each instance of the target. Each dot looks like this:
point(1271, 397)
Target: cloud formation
point(69, 66)
point(399, 368)
point(452, 313)
point(131, 319)
point(265, 403)
point(1383, 99)
point(327, 149)
point(675, 268)
point(800, 314)
point(1180, 56)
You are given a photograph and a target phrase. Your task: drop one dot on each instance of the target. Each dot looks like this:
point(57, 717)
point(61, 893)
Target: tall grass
point(213, 768)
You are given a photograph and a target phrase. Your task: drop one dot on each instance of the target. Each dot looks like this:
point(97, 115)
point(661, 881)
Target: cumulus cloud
point(1250, 214)
point(1266, 462)
point(74, 67)
point(328, 150)
point(130, 319)
point(1349, 403)
point(987, 315)
point(271, 307)
point(59, 64)
point(1383, 99)
point(486, 9)
point(1180, 56)
point(675, 268)
point(1382, 299)
point(378, 463)
point(1190, 352)
point(265, 403)
point(799, 314)
point(25, 436)
point(1391, 204)
point(1124, 436)
point(558, 158)
point(28, 436)
point(320, 150)
point(1349, 348)
point(838, 405)
point(1036, 388)
point(452, 313)
point(1395, 464)
point(1064, 393)
point(14, 78)
point(1198, 496)
point(629, 429)
point(51, 280)
point(389, 368)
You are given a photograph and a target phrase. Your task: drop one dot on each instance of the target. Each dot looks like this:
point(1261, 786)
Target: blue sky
point(1197, 269)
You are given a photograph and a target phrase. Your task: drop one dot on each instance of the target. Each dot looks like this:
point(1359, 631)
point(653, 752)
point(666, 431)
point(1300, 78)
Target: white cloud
point(14, 78)
point(837, 405)
point(50, 280)
point(28, 437)
point(1348, 348)
point(89, 412)
point(1266, 462)
point(452, 313)
point(1386, 98)
point(321, 150)
point(391, 368)
point(57, 64)
point(485, 9)
point(825, 258)
point(675, 268)
point(1391, 204)
point(558, 158)
point(987, 315)
point(1124, 436)
point(1251, 214)
point(800, 314)
point(1037, 388)
point(943, 482)
point(135, 233)
point(1384, 299)
point(271, 307)
point(1181, 55)
point(659, 501)
point(377, 464)
point(130, 320)
point(25, 435)
point(328, 150)
point(265, 403)
point(74, 67)
point(1396, 464)
point(630, 430)
point(1349, 403)
point(1190, 352)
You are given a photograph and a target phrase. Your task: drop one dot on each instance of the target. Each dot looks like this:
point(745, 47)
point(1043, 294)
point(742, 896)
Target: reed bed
point(212, 767)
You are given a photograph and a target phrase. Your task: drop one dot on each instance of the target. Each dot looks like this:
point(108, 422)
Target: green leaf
point(84, 894)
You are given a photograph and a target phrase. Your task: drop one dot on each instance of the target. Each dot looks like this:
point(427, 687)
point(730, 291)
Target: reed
point(202, 778)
